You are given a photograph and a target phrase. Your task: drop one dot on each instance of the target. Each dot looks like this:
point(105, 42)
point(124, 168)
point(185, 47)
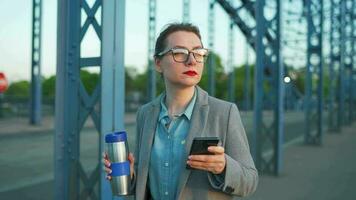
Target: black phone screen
point(200, 145)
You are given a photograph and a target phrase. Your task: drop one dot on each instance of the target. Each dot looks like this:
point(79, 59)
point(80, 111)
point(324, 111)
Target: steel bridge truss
point(314, 103)
point(264, 36)
point(75, 105)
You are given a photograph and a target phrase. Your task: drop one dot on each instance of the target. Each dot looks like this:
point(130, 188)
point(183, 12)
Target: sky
point(16, 27)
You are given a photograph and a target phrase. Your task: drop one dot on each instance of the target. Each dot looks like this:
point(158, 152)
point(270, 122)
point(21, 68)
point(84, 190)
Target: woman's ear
point(158, 65)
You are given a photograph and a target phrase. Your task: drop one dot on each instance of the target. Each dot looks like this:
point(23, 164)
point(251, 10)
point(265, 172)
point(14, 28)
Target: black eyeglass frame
point(161, 54)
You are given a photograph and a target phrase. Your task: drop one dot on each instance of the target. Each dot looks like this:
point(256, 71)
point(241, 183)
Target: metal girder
point(74, 105)
point(186, 11)
point(230, 64)
point(36, 80)
point(67, 101)
point(347, 59)
point(211, 59)
point(151, 90)
point(353, 61)
point(112, 76)
point(314, 102)
point(236, 18)
point(268, 131)
point(247, 79)
point(269, 71)
point(342, 73)
point(335, 40)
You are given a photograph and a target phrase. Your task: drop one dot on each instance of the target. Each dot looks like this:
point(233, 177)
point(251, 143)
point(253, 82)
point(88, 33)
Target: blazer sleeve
point(240, 176)
point(137, 147)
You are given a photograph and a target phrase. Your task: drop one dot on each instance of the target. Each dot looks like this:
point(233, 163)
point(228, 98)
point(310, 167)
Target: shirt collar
point(187, 112)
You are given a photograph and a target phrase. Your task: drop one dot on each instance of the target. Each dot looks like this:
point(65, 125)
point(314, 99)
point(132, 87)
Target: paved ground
point(326, 172)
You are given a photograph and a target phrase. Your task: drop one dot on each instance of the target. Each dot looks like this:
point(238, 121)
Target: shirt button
point(166, 193)
point(166, 164)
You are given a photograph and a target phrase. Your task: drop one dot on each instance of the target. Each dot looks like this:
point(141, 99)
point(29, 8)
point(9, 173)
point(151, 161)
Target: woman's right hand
point(107, 164)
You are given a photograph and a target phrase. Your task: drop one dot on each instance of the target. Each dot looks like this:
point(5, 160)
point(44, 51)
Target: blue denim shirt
point(167, 153)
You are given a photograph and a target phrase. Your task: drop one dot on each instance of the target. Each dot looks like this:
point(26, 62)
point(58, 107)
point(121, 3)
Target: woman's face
point(181, 74)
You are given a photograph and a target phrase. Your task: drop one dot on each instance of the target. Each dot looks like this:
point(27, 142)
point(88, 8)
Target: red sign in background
point(3, 82)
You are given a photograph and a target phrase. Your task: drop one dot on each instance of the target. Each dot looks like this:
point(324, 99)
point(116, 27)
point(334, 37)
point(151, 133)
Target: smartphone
point(200, 146)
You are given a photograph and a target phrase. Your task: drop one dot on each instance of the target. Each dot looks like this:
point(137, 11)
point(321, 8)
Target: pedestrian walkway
point(326, 172)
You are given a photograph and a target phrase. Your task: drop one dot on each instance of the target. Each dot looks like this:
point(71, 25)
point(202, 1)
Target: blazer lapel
point(149, 128)
point(199, 119)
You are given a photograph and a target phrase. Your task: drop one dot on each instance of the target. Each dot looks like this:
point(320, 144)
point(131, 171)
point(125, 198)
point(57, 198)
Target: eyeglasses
point(181, 55)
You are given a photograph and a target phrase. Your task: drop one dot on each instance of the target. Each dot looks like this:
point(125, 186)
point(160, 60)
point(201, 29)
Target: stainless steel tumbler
point(118, 154)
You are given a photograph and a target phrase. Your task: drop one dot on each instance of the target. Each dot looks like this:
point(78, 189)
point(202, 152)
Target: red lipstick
point(190, 73)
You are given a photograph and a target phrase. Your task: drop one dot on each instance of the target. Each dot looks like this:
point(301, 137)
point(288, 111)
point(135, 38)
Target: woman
point(167, 126)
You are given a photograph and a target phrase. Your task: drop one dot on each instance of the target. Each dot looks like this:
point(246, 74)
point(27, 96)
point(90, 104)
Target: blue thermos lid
point(120, 136)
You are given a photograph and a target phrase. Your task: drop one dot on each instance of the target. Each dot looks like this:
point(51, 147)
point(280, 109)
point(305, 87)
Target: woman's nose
point(191, 59)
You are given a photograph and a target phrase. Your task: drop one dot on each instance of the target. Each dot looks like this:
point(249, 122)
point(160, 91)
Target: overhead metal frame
point(314, 99)
point(74, 105)
point(152, 87)
point(36, 79)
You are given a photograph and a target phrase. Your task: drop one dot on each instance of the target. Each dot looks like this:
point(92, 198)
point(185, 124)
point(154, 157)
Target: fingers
point(108, 171)
point(105, 155)
point(215, 168)
point(213, 163)
point(107, 164)
point(207, 158)
point(131, 158)
point(216, 149)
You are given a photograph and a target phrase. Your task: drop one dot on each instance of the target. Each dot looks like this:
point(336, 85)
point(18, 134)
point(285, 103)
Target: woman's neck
point(178, 99)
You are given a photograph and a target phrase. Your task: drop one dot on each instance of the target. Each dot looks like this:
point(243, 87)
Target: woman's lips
point(190, 73)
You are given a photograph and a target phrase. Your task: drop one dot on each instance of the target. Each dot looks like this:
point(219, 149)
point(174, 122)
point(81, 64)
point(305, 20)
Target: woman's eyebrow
point(196, 47)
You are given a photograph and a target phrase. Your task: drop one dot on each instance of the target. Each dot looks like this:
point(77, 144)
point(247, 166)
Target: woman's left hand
point(213, 163)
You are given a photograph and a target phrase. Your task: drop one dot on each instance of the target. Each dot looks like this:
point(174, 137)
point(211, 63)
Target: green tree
point(19, 89)
point(220, 77)
point(90, 80)
point(48, 87)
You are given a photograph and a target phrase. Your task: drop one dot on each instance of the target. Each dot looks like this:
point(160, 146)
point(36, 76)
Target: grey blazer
point(210, 117)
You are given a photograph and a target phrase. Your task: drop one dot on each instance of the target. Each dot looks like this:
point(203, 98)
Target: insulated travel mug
point(118, 154)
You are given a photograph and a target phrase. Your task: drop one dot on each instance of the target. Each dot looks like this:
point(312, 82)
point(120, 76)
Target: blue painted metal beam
point(353, 60)
point(186, 10)
point(341, 86)
point(211, 37)
point(314, 106)
point(112, 78)
point(265, 37)
point(265, 132)
point(348, 60)
point(335, 32)
point(247, 79)
point(230, 64)
point(67, 102)
point(152, 88)
point(36, 80)
point(74, 105)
